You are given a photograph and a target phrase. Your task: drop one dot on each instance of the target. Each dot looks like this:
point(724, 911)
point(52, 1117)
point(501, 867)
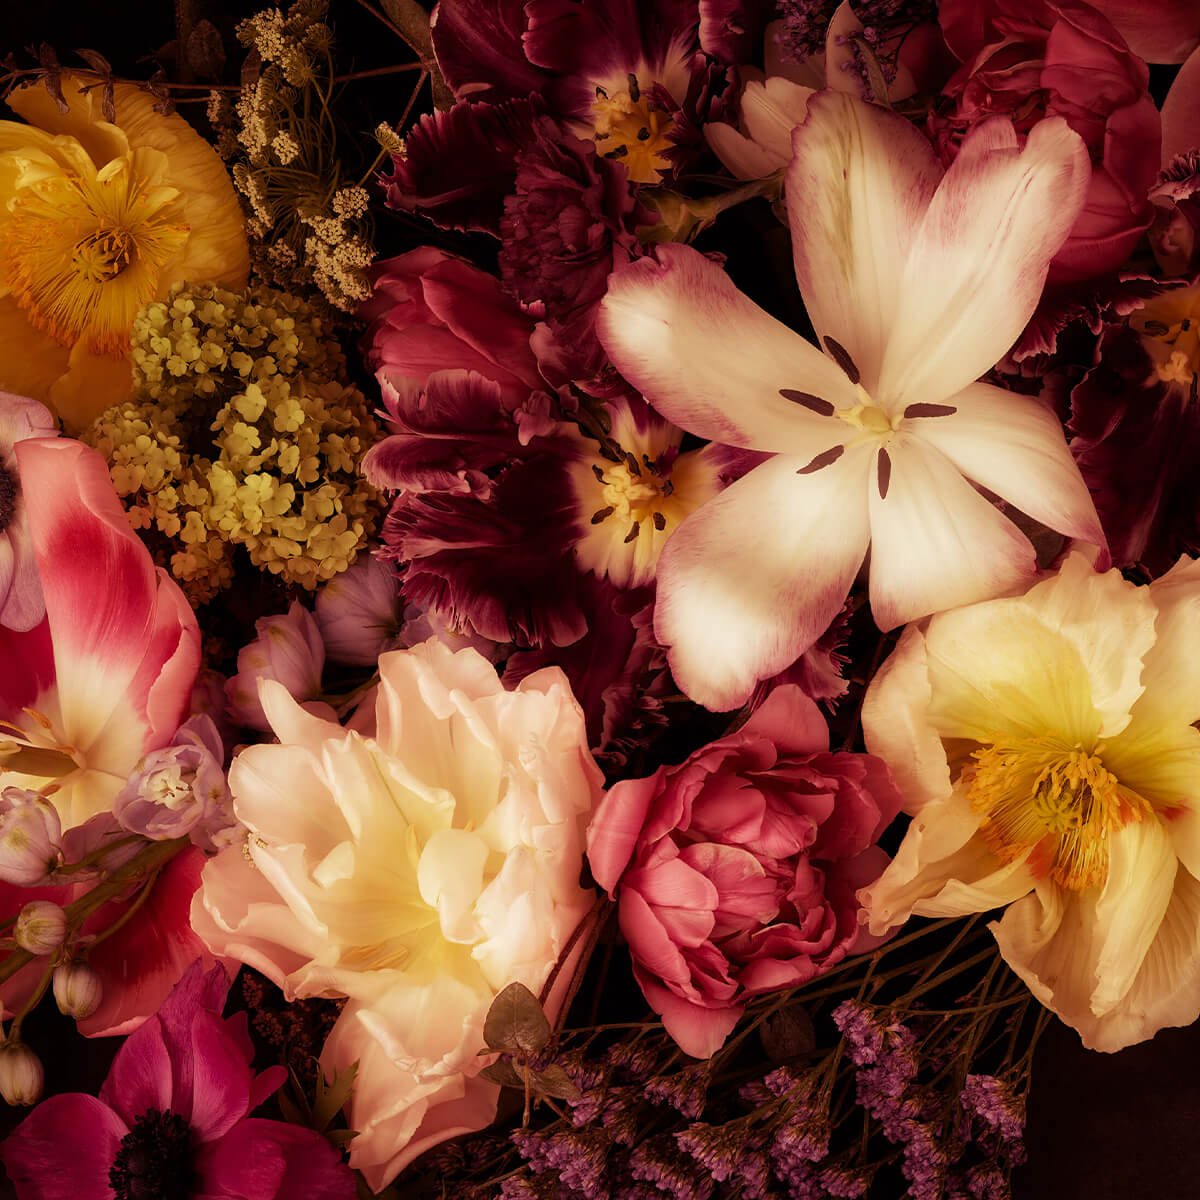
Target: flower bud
point(41, 926)
point(358, 612)
point(289, 650)
point(21, 1074)
point(30, 833)
point(180, 789)
point(77, 990)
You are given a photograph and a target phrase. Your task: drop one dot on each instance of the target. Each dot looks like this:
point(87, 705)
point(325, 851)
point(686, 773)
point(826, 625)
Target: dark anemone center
point(154, 1161)
point(8, 497)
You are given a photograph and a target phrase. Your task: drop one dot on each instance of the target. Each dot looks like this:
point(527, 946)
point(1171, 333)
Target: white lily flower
point(917, 281)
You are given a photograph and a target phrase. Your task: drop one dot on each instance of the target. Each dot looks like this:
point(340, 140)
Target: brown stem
point(410, 22)
point(146, 861)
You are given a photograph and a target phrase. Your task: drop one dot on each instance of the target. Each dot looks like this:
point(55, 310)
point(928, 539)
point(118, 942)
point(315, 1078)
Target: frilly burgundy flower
point(173, 1120)
point(1029, 60)
point(735, 873)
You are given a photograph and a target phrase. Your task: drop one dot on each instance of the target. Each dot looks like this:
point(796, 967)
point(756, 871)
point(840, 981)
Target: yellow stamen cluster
point(241, 434)
point(1056, 804)
point(628, 127)
point(1170, 329)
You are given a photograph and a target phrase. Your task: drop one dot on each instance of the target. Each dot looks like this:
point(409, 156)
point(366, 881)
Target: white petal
point(980, 256)
point(935, 542)
point(897, 727)
point(860, 181)
point(943, 869)
point(1014, 446)
point(752, 579)
point(710, 360)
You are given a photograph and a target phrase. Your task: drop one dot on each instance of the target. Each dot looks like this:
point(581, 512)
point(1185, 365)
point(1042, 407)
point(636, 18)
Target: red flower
point(173, 1120)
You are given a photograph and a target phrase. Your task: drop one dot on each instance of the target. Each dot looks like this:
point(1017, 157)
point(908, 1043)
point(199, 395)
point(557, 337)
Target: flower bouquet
point(625, 634)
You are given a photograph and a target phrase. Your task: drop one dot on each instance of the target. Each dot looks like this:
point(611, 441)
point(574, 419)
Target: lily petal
point(1013, 445)
point(1181, 111)
point(861, 178)
point(979, 258)
point(752, 579)
point(935, 542)
point(713, 362)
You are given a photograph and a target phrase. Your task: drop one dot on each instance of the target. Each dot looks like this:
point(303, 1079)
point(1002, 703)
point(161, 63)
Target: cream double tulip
point(1046, 746)
point(416, 862)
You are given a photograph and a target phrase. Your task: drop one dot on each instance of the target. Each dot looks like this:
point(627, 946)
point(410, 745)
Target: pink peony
point(735, 872)
point(1059, 58)
point(173, 1120)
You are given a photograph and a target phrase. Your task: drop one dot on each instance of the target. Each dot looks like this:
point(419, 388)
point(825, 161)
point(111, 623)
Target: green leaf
point(331, 1097)
point(515, 1023)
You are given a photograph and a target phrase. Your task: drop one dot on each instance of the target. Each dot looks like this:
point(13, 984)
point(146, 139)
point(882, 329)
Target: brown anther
point(602, 514)
point(635, 91)
point(633, 532)
point(885, 473)
point(620, 152)
point(930, 410)
point(841, 356)
point(632, 464)
point(1156, 329)
point(824, 459)
point(601, 94)
point(814, 403)
point(660, 522)
point(668, 488)
point(643, 134)
point(599, 473)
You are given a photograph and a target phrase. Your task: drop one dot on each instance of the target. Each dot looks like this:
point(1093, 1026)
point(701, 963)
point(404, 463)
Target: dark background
point(1101, 1127)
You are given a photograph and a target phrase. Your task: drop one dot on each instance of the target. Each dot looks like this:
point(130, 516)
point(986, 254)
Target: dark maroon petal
point(479, 50)
point(64, 1149)
point(732, 30)
point(1137, 443)
point(459, 165)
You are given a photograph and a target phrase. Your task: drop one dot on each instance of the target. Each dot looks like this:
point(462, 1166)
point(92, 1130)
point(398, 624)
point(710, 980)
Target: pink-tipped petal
point(979, 258)
point(1181, 111)
point(1013, 445)
point(28, 660)
point(753, 578)
point(115, 623)
point(710, 360)
point(936, 543)
point(859, 183)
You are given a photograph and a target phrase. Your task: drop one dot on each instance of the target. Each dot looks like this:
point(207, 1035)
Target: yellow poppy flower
point(97, 220)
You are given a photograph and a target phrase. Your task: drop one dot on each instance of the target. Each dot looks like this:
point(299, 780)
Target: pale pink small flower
point(41, 927)
point(78, 990)
point(287, 649)
point(30, 837)
point(359, 612)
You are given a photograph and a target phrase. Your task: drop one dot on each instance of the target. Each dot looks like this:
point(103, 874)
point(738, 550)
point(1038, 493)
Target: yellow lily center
point(868, 417)
point(83, 252)
point(628, 127)
point(1170, 329)
point(1054, 804)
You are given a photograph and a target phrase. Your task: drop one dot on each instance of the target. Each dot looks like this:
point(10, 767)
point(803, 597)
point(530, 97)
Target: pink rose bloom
point(736, 871)
point(173, 1119)
point(1031, 59)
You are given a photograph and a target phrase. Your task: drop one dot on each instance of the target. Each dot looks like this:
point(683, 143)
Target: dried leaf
point(332, 1097)
point(503, 1073)
point(205, 51)
point(515, 1023)
point(96, 61)
point(251, 68)
point(554, 1081)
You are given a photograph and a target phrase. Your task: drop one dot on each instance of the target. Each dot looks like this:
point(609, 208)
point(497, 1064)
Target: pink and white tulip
point(917, 281)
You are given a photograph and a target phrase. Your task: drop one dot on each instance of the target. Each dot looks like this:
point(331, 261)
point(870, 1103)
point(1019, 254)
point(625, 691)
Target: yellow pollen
point(1170, 329)
point(868, 417)
point(1055, 804)
point(628, 128)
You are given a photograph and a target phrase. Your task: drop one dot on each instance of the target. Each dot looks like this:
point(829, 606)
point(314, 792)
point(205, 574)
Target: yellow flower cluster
point(240, 434)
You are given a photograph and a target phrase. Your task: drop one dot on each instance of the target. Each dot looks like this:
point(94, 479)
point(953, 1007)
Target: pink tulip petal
point(1164, 31)
point(979, 258)
point(789, 720)
point(713, 362)
point(752, 579)
point(28, 660)
point(64, 1149)
point(935, 542)
point(615, 827)
point(111, 642)
point(862, 178)
point(1013, 445)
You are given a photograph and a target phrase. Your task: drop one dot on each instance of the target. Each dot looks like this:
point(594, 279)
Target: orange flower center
point(1056, 804)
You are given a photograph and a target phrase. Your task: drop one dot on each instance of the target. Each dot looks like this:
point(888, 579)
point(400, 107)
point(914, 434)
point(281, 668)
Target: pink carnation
point(735, 872)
